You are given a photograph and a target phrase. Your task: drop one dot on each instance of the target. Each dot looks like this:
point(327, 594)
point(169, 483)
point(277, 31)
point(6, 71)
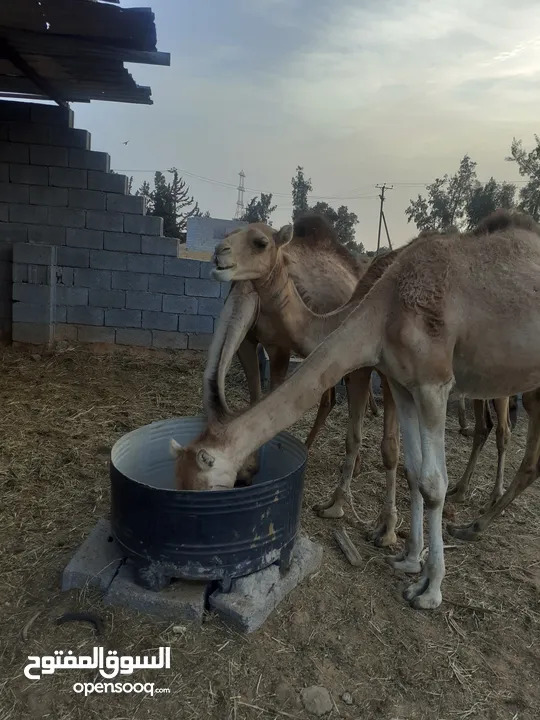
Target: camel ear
point(204, 460)
point(175, 449)
point(283, 236)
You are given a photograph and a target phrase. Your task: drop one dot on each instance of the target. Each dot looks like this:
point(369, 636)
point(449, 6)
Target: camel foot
point(421, 596)
point(329, 509)
point(465, 532)
point(408, 565)
point(381, 537)
point(493, 498)
point(467, 432)
point(456, 494)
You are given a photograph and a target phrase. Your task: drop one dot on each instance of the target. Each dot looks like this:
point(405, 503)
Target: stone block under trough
point(96, 562)
point(252, 598)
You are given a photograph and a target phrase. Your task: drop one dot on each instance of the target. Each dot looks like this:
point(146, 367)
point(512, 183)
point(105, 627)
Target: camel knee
point(433, 490)
point(503, 433)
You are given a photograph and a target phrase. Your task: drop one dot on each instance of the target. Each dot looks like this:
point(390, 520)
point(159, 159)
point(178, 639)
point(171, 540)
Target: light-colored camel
point(443, 315)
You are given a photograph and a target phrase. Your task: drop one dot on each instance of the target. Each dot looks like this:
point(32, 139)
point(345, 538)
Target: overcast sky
point(359, 92)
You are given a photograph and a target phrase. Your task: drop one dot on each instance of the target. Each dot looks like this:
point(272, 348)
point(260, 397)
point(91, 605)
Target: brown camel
point(442, 316)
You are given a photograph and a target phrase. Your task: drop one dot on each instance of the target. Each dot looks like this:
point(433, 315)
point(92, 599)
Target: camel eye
point(260, 242)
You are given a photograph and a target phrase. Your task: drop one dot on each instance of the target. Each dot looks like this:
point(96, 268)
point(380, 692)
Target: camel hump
point(315, 226)
point(503, 219)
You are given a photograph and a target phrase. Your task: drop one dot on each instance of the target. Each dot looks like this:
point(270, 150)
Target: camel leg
point(464, 428)
point(503, 433)
point(328, 400)
point(384, 533)
point(357, 396)
point(247, 355)
point(279, 365)
point(483, 424)
point(527, 473)
point(372, 402)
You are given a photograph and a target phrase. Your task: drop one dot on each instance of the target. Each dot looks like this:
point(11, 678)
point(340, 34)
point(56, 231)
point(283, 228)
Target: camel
point(441, 316)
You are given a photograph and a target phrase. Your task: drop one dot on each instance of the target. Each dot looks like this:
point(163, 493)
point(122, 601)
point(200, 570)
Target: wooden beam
point(20, 63)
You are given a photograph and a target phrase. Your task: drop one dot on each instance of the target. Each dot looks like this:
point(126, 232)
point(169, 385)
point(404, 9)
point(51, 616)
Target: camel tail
point(502, 219)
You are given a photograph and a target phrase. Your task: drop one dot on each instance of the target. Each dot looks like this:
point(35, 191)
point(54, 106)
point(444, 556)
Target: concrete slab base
point(96, 562)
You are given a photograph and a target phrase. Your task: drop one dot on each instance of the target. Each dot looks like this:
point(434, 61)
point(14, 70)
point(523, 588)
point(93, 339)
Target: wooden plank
point(347, 547)
point(184, 252)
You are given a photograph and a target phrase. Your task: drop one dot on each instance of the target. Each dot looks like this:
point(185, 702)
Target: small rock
point(316, 700)
point(35, 357)
point(347, 698)
point(179, 629)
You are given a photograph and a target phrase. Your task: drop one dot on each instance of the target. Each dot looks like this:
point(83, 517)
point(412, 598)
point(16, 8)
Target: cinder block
point(48, 156)
point(225, 289)
point(79, 315)
point(30, 313)
point(4, 172)
point(89, 160)
point(122, 242)
point(202, 288)
point(28, 174)
point(13, 233)
point(143, 224)
point(91, 334)
point(126, 336)
point(199, 342)
point(64, 276)
point(130, 204)
point(181, 267)
point(31, 214)
point(70, 137)
point(153, 245)
point(19, 273)
point(97, 560)
point(53, 197)
point(206, 270)
point(107, 182)
point(166, 285)
point(30, 294)
point(71, 295)
point(159, 321)
point(107, 298)
point(63, 331)
point(29, 133)
point(87, 199)
point(14, 152)
point(19, 111)
point(67, 177)
point(210, 306)
point(130, 281)
point(94, 279)
point(195, 324)
point(108, 260)
point(99, 220)
point(181, 601)
point(32, 254)
point(123, 318)
point(82, 238)
point(144, 301)
point(73, 257)
point(4, 212)
point(50, 115)
point(31, 333)
point(180, 304)
point(46, 235)
point(145, 263)
point(253, 598)
point(12, 193)
point(172, 340)
point(68, 217)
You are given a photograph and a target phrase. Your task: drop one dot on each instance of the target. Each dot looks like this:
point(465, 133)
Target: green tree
point(343, 221)
point(528, 166)
point(487, 198)
point(301, 187)
point(170, 201)
point(259, 209)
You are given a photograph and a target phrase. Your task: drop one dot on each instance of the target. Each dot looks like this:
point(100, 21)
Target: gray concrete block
point(89, 160)
point(49, 156)
point(225, 289)
point(195, 324)
point(89, 334)
point(4, 212)
point(202, 288)
point(67, 178)
point(122, 242)
point(30, 214)
point(79, 315)
point(108, 182)
point(70, 137)
point(68, 217)
point(123, 318)
point(71, 295)
point(28, 174)
point(140, 338)
point(182, 267)
point(29, 133)
point(130, 281)
point(12, 193)
point(145, 263)
point(33, 254)
point(19, 111)
point(206, 269)
point(73, 257)
point(14, 152)
point(103, 220)
point(144, 301)
point(211, 306)
point(31, 333)
point(108, 260)
point(47, 235)
point(28, 313)
point(50, 115)
point(83, 238)
point(63, 331)
point(19, 273)
point(171, 340)
point(159, 321)
point(181, 601)
point(31, 294)
point(13, 232)
point(153, 245)
point(199, 342)
point(96, 562)
point(166, 285)
point(180, 304)
point(53, 197)
point(143, 224)
point(87, 199)
point(130, 204)
point(107, 298)
point(4, 172)
point(95, 279)
point(253, 598)
point(64, 276)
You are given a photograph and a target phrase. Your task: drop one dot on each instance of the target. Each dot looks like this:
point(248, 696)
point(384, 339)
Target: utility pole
point(382, 218)
point(240, 200)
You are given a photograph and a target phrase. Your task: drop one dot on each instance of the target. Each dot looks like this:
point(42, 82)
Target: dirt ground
point(347, 629)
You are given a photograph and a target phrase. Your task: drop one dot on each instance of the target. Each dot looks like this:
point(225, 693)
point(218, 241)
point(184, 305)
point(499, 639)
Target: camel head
point(202, 465)
point(249, 252)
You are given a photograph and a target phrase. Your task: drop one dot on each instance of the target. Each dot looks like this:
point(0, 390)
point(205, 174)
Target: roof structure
point(74, 50)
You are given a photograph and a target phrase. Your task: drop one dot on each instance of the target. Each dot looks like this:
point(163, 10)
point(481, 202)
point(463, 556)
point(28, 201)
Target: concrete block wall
point(79, 258)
